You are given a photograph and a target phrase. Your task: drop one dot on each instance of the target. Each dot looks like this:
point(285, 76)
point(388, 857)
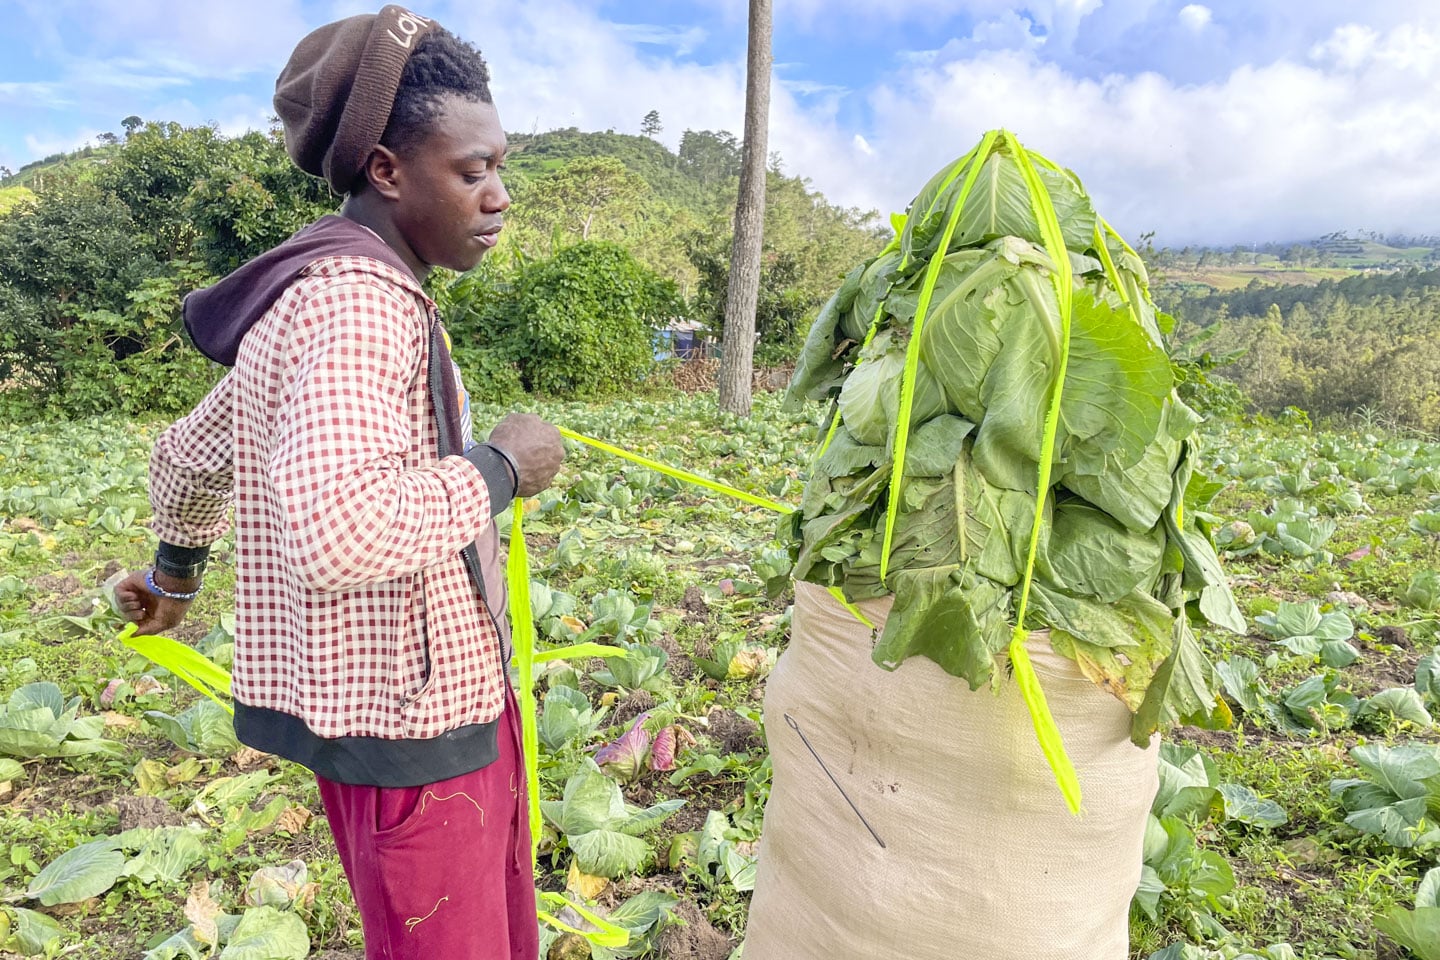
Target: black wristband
point(495, 468)
point(182, 563)
point(510, 464)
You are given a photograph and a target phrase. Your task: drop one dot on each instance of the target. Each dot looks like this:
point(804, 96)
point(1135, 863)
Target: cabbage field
point(132, 821)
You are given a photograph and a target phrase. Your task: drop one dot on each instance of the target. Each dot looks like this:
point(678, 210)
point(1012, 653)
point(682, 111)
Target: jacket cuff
point(183, 563)
point(499, 476)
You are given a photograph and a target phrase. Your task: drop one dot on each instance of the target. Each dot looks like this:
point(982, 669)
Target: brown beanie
point(336, 92)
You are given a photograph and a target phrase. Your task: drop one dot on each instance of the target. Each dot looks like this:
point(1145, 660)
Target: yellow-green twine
point(1046, 730)
point(522, 635)
point(897, 223)
point(912, 354)
point(853, 610)
point(184, 661)
point(606, 934)
point(1113, 275)
point(682, 475)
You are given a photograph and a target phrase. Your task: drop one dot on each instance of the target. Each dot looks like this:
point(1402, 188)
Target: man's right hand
point(535, 448)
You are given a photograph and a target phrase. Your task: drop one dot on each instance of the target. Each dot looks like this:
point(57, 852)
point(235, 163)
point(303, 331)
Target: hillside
point(685, 180)
point(10, 196)
point(1366, 345)
point(77, 164)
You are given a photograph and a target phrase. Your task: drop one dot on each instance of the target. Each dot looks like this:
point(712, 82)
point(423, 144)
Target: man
point(371, 640)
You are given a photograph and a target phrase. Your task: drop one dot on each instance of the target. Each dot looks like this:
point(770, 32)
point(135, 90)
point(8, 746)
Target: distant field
point(1378, 253)
point(1224, 279)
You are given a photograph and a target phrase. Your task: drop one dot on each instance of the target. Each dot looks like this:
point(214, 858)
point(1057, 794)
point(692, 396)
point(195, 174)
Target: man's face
point(451, 200)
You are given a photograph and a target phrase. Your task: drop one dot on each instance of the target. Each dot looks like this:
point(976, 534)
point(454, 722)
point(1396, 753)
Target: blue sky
point(1232, 121)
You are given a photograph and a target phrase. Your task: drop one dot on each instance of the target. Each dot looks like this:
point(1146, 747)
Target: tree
point(574, 197)
point(154, 174)
point(809, 244)
point(742, 292)
point(710, 156)
point(131, 124)
point(651, 124)
point(108, 139)
point(251, 199)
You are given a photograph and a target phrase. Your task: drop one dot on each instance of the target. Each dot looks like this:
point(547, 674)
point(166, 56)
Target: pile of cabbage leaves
point(1124, 564)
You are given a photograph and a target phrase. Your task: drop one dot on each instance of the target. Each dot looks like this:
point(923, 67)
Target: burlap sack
point(982, 861)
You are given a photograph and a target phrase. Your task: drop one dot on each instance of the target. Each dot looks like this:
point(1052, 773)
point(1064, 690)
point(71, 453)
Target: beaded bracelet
point(162, 592)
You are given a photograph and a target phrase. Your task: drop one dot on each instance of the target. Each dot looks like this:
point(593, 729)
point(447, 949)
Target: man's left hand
point(154, 614)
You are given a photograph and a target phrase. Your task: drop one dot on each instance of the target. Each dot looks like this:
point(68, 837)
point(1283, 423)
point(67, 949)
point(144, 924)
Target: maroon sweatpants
point(442, 872)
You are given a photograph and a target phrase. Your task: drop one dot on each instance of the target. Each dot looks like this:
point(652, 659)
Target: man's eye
point(474, 177)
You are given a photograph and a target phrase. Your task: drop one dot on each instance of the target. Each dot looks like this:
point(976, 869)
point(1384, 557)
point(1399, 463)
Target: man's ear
point(382, 172)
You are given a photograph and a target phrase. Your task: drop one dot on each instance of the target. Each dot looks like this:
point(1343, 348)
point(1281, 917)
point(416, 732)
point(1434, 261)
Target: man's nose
point(498, 200)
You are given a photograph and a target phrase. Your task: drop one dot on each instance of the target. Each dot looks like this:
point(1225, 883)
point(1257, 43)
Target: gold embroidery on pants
point(414, 922)
point(430, 795)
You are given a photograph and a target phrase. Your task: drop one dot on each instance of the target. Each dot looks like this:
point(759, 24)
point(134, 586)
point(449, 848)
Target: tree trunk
point(737, 358)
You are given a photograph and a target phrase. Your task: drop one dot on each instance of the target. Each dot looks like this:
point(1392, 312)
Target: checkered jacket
point(355, 611)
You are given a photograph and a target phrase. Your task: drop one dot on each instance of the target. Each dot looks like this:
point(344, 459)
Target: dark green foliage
point(74, 251)
point(1366, 346)
point(93, 270)
point(671, 178)
point(579, 324)
point(253, 199)
point(809, 245)
point(134, 360)
point(781, 311)
point(589, 316)
point(154, 173)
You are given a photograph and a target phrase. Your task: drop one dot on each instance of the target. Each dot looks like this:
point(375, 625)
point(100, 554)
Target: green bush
point(74, 252)
point(579, 324)
point(135, 361)
point(253, 199)
point(490, 375)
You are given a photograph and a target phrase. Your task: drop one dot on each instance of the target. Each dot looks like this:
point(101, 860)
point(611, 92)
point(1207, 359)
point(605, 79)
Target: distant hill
point(686, 180)
point(682, 180)
point(79, 163)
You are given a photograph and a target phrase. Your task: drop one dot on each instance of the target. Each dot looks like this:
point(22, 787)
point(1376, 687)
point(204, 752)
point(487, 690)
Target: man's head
point(396, 111)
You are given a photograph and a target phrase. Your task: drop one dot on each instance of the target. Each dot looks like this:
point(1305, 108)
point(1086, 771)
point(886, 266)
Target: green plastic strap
point(578, 651)
point(522, 634)
point(187, 663)
point(678, 474)
point(912, 354)
point(607, 934)
point(897, 223)
point(1062, 277)
point(839, 595)
point(1110, 272)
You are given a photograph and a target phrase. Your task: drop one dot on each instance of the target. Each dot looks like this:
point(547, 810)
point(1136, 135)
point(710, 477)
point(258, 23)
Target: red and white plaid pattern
point(349, 526)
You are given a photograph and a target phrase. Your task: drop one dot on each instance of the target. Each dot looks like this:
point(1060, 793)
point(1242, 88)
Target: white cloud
point(48, 143)
point(562, 66)
point(209, 39)
point(1195, 16)
point(1348, 47)
point(1273, 151)
point(1335, 133)
point(683, 40)
point(1292, 148)
point(36, 93)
